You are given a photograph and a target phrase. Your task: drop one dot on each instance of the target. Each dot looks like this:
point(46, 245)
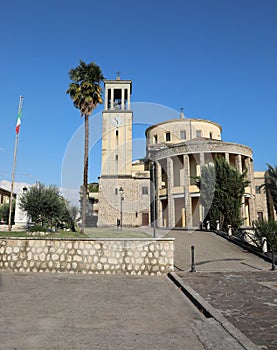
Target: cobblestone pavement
point(247, 299)
point(235, 282)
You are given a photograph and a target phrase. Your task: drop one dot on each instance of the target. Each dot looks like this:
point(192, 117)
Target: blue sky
point(215, 58)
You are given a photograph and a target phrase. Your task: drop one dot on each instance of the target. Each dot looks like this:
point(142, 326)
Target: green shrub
point(37, 228)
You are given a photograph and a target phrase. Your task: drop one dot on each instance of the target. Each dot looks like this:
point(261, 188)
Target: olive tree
point(44, 205)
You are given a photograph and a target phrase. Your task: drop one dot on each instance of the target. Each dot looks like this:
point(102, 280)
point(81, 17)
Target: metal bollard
point(217, 225)
point(229, 230)
point(192, 260)
point(273, 259)
point(208, 226)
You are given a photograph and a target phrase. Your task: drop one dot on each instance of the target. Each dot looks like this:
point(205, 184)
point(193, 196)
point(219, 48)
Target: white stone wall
point(106, 256)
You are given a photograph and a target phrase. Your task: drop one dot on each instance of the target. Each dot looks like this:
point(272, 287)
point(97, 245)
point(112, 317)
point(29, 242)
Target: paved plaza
point(66, 311)
point(74, 311)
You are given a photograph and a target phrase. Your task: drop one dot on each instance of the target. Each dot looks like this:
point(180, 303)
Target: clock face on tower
point(116, 121)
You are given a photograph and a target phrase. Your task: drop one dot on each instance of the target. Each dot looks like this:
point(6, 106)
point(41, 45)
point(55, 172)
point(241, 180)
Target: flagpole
point(14, 163)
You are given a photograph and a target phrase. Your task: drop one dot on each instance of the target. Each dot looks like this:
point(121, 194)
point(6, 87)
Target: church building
point(175, 152)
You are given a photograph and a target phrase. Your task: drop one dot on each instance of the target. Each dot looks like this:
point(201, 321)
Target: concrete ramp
point(212, 253)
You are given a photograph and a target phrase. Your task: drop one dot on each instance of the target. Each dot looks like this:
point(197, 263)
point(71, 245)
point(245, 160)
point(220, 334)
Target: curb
point(210, 312)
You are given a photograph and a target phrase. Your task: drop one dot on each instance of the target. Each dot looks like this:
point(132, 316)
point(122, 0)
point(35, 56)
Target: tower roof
point(118, 82)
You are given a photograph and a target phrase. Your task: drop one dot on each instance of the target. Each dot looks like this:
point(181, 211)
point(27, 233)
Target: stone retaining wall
point(105, 256)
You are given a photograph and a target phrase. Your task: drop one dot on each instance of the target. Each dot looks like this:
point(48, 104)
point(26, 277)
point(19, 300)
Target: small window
point(211, 135)
point(116, 157)
point(198, 133)
point(155, 139)
point(144, 190)
point(260, 215)
point(116, 132)
point(182, 134)
point(116, 191)
point(167, 136)
point(258, 189)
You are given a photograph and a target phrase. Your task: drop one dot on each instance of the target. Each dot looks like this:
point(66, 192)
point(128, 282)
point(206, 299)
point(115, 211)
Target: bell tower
point(123, 186)
point(117, 119)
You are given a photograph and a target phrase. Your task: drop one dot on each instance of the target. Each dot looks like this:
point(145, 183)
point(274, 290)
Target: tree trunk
point(85, 175)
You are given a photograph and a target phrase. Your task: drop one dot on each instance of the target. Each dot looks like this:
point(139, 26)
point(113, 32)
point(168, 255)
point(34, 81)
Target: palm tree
point(85, 92)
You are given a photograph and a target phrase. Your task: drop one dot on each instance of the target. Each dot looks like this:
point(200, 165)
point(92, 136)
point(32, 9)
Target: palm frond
point(85, 90)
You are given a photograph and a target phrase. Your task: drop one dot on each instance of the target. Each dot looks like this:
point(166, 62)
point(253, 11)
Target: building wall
point(135, 206)
point(5, 196)
point(260, 196)
point(181, 130)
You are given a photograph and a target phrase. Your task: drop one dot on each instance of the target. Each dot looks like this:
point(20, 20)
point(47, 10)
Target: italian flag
point(18, 121)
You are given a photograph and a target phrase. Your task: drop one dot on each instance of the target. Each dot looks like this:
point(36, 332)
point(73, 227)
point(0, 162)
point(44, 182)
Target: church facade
point(175, 152)
point(179, 148)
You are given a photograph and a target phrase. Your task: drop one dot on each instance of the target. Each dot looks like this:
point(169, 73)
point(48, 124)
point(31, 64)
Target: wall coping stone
point(88, 239)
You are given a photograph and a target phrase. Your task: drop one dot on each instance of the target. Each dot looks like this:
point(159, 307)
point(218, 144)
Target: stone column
point(252, 202)
point(112, 98)
point(202, 159)
point(106, 99)
point(159, 208)
point(239, 163)
point(129, 102)
point(170, 184)
point(227, 157)
point(187, 199)
point(122, 99)
point(242, 212)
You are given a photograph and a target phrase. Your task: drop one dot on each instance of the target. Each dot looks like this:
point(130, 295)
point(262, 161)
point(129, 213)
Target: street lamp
point(121, 191)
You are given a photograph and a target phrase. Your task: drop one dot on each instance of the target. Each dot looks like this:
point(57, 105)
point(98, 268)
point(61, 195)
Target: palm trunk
point(85, 175)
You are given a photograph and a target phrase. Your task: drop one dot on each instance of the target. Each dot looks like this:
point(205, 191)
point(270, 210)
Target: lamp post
point(154, 198)
point(121, 191)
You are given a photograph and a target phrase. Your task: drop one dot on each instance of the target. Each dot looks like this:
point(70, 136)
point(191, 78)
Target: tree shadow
point(207, 262)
